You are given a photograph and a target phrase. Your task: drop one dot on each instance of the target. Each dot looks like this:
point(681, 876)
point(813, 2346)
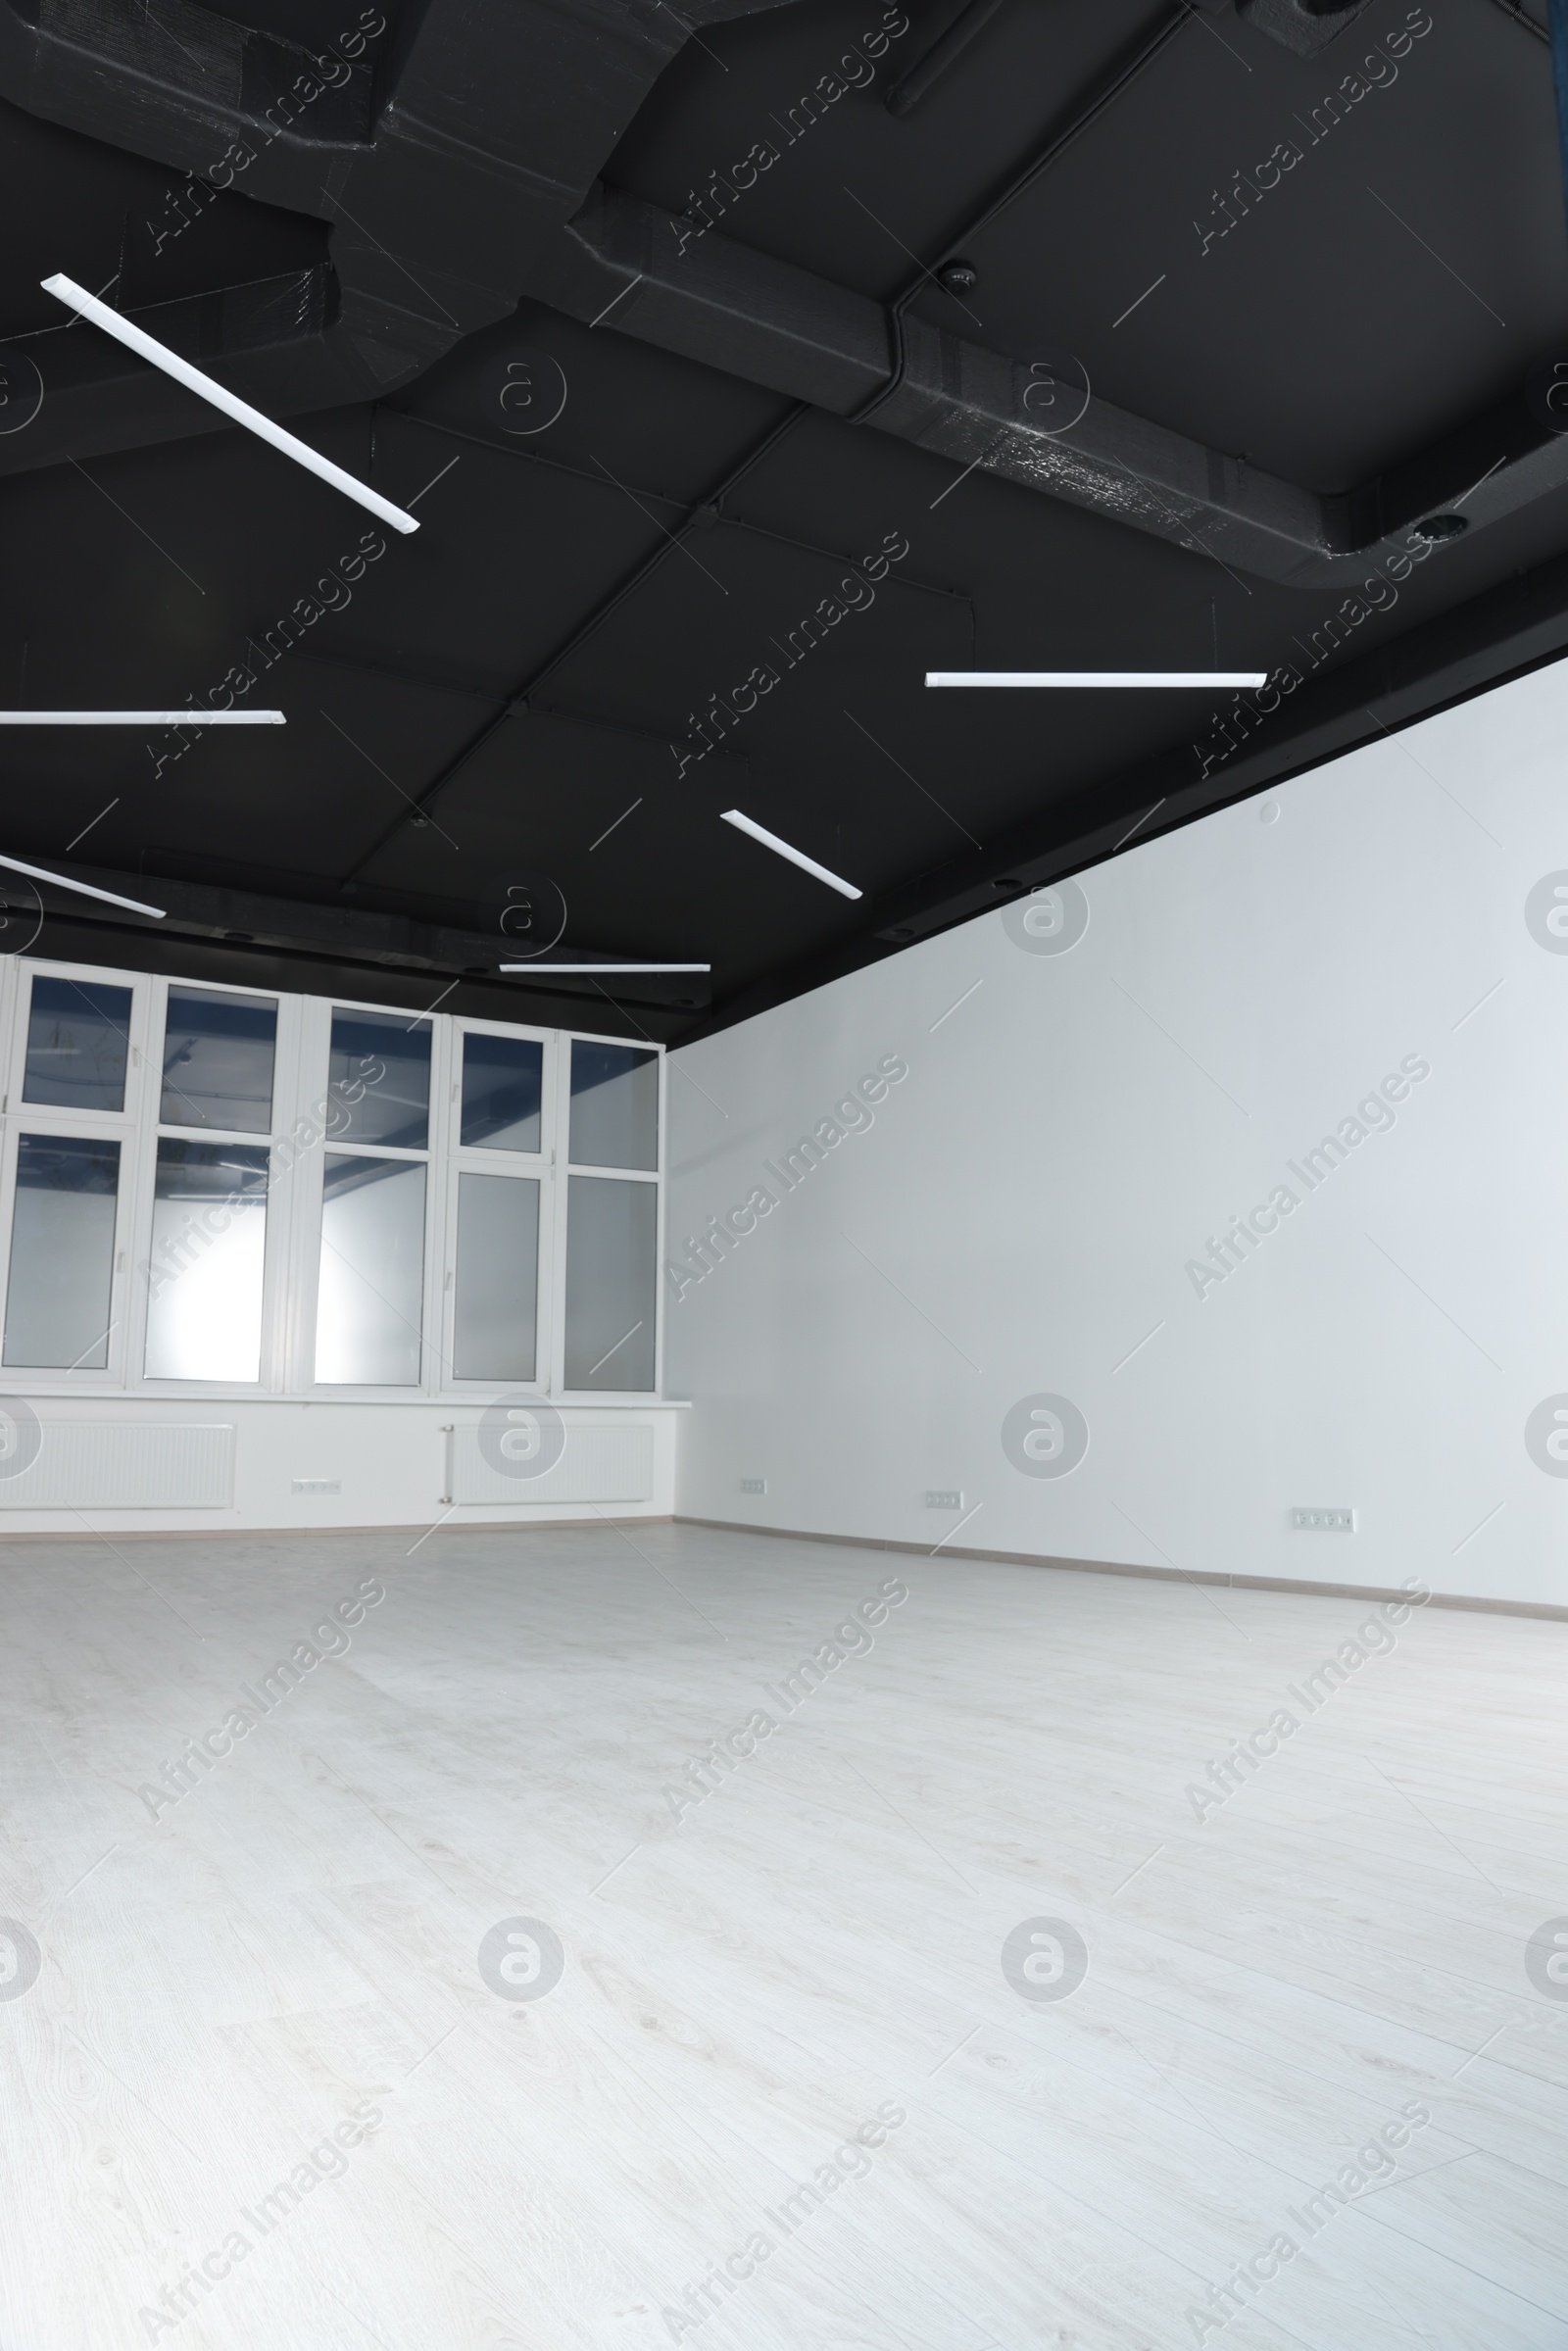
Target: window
point(219, 1052)
point(204, 1319)
point(612, 1221)
point(61, 1252)
point(369, 1297)
point(615, 1105)
point(73, 1069)
point(496, 1286)
point(208, 1236)
point(78, 1043)
point(370, 1300)
point(380, 1072)
point(612, 1265)
point(502, 1186)
point(502, 1091)
point(220, 1188)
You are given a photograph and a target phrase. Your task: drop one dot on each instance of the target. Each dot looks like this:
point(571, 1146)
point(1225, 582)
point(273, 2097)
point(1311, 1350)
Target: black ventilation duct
point(1305, 26)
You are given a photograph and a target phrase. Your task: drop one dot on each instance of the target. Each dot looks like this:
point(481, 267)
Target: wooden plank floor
point(260, 2092)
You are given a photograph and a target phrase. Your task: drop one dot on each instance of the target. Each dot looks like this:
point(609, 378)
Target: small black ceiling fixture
point(1436, 529)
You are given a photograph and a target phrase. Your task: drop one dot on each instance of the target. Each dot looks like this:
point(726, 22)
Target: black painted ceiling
point(1240, 312)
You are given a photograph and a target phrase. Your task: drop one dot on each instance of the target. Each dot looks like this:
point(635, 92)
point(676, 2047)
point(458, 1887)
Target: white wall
point(1024, 1208)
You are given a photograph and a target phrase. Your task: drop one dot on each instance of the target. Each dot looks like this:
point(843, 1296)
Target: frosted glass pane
point(615, 1105)
point(217, 1062)
point(203, 1291)
point(370, 1291)
point(497, 1279)
point(612, 1228)
point(502, 1080)
point(77, 1040)
point(61, 1252)
point(380, 1078)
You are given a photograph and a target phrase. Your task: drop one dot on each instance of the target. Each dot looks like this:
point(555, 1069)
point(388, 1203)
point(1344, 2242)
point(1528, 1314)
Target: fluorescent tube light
point(1096, 677)
point(796, 857)
point(41, 873)
point(88, 305)
point(142, 718)
point(606, 967)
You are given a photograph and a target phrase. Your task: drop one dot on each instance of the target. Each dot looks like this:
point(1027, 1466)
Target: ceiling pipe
point(774, 324)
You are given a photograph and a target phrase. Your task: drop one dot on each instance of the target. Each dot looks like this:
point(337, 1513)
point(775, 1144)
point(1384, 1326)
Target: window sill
point(196, 1393)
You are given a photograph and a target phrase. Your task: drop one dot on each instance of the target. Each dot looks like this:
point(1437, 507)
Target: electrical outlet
point(1323, 1522)
point(944, 1498)
point(754, 1485)
point(317, 1486)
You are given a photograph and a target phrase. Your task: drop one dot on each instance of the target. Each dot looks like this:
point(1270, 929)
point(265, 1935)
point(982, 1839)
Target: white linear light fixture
point(142, 718)
point(1078, 678)
point(796, 857)
point(606, 967)
point(88, 305)
point(41, 873)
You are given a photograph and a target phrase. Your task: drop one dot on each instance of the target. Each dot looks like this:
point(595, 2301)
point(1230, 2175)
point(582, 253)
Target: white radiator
point(599, 1464)
point(134, 1466)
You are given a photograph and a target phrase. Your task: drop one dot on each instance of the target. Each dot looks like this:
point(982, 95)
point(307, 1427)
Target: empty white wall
point(1022, 1212)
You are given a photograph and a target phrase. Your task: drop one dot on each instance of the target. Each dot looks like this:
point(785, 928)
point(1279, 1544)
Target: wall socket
point(943, 1498)
point(317, 1486)
point(1323, 1522)
point(754, 1485)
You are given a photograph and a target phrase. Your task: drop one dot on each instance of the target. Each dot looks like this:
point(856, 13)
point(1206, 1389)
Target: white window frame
point(311, 1170)
point(636, 1175)
point(280, 1191)
point(477, 1158)
point(294, 1199)
point(46, 1118)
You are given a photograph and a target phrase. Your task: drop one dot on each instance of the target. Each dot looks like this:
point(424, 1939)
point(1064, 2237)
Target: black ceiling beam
point(1522, 16)
point(586, 628)
point(710, 516)
point(939, 60)
point(356, 937)
point(504, 704)
point(1102, 93)
point(213, 964)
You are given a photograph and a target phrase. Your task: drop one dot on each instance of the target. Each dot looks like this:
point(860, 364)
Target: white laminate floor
point(273, 2087)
